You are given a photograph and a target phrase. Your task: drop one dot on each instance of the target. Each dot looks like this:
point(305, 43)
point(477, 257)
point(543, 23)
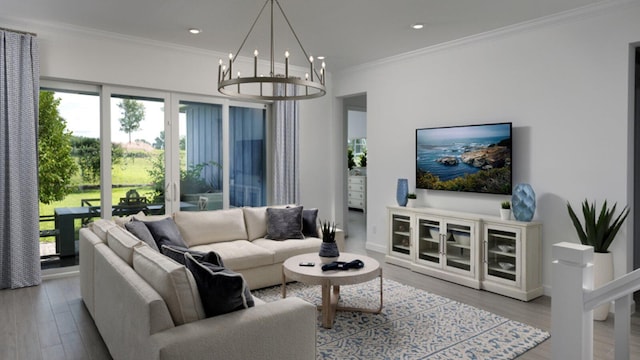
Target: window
point(247, 146)
point(137, 155)
point(153, 166)
point(79, 118)
point(200, 155)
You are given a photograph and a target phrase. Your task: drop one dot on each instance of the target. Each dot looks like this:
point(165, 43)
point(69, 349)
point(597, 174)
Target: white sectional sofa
point(147, 306)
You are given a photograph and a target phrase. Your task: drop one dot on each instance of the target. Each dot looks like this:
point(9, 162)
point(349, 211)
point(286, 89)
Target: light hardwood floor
point(50, 321)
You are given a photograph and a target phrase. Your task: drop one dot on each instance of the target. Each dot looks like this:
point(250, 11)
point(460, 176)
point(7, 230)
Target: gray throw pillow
point(177, 253)
point(221, 290)
point(284, 223)
point(141, 231)
point(310, 223)
point(165, 232)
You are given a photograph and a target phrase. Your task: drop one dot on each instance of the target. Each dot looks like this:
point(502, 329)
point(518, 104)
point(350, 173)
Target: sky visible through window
point(82, 113)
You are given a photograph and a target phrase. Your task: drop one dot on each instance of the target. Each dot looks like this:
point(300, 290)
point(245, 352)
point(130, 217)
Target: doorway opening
point(355, 109)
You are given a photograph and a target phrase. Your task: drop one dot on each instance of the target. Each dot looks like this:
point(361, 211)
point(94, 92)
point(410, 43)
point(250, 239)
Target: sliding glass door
point(69, 167)
point(201, 156)
point(137, 154)
point(134, 150)
point(247, 148)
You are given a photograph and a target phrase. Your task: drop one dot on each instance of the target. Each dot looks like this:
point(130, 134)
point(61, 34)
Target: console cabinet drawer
point(357, 192)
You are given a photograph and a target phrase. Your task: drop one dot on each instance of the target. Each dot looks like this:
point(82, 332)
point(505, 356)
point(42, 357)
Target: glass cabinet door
point(401, 234)
point(458, 246)
point(429, 241)
point(501, 254)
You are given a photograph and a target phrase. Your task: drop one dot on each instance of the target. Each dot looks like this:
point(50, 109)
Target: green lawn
point(130, 174)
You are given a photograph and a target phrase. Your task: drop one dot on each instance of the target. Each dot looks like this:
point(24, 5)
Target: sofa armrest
point(283, 329)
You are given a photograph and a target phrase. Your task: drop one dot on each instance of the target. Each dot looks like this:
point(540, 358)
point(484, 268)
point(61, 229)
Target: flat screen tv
point(472, 158)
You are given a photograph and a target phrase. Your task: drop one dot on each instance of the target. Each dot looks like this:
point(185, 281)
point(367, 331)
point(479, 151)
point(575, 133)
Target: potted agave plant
point(411, 199)
point(599, 232)
point(328, 249)
point(505, 210)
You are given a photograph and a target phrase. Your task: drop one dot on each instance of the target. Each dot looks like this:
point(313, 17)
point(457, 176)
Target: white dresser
point(357, 189)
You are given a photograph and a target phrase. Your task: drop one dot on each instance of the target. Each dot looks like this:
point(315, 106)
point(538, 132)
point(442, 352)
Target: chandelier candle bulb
point(311, 62)
point(286, 65)
point(255, 63)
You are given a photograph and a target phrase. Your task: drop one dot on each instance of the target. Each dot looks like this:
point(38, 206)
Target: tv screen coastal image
point(473, 158)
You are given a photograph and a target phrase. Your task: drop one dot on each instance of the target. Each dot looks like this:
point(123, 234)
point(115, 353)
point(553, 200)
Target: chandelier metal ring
point(273, 86)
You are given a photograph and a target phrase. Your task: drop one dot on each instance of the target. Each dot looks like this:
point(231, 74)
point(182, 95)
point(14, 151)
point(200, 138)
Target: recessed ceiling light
point(320, 57)
point(417, 26)
point(195, 31)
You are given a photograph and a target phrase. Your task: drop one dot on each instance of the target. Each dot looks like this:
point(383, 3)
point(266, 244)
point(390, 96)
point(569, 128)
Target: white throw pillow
point(255, 219)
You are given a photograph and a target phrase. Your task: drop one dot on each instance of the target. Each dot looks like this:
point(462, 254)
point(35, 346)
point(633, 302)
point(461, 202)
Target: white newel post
point(571, 326)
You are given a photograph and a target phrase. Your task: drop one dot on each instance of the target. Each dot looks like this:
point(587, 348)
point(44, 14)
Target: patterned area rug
point(414, 324)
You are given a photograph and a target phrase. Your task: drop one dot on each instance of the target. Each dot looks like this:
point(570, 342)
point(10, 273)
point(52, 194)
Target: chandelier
point(271, 86)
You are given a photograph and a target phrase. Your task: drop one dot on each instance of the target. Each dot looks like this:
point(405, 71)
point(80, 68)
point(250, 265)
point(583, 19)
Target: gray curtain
point(19, 94)
point(286, 153)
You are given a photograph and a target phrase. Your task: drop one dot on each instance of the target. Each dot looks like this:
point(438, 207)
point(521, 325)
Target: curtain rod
point(19, 32)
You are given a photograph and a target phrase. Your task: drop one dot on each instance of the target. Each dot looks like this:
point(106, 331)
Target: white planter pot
point(505, 214)
point(411, 203)
point(602, 274)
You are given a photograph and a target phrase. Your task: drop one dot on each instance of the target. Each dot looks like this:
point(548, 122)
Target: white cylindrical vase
point(602, 274)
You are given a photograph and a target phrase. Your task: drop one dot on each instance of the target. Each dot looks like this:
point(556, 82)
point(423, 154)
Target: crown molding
point(559, 18)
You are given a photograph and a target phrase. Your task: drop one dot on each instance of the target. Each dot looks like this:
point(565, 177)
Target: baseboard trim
point(51, 274)
point(376, 247)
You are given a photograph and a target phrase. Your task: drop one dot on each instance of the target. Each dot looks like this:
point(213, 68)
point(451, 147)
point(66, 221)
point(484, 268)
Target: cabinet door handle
point(485, 252)
point(410, 236)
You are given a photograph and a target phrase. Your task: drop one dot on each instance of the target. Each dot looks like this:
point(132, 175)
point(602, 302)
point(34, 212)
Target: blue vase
point(523, 202)
point(402, 191)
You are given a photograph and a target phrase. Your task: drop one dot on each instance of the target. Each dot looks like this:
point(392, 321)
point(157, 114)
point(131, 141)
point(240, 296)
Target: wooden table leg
point(326, 305)
point(284, 284)
point(373, 311)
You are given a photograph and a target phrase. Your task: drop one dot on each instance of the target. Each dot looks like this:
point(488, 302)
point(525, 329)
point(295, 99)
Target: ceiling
point(347, 32)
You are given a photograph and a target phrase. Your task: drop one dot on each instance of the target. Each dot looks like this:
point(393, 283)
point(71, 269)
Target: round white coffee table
point(331, 280)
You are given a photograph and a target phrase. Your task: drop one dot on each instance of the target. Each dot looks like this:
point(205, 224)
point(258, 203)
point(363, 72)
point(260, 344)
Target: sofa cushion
point(310, 223)
point(205, 227)
point(221, 290)
point(239, 254)
point(172, 281)
point(255, 219)
point(287, 248)
point(122, 243)
point(177, 253)
point(100, 228)
point(141, 231)
point(165, 232)
point(284, 223)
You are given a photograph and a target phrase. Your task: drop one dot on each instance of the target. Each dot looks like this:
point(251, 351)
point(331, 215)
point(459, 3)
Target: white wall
point(564, 85)
point(84, 55)
point(357, 124)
